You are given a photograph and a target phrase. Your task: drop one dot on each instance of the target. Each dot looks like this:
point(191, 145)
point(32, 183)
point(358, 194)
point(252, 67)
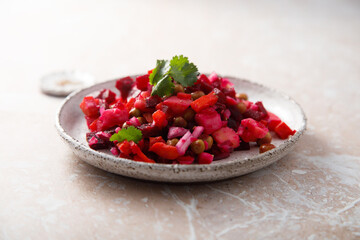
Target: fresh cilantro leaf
point(164, 87)
point(178, 69)
point(161, 69)
point(183, 71)
point(130, 134)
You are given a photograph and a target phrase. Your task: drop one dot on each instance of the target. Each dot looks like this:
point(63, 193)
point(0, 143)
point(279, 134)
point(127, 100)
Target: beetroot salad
point(174, 114)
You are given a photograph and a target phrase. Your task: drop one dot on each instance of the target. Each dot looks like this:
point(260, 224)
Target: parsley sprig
point(130, 134)
point(178, 69)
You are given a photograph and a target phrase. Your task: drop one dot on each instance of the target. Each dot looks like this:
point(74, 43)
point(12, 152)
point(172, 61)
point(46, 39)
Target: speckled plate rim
point(267, 158)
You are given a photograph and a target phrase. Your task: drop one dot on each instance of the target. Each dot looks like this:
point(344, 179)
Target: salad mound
point(173, 114)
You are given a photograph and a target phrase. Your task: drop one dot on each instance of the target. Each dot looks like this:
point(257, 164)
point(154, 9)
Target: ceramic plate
point(71, 126)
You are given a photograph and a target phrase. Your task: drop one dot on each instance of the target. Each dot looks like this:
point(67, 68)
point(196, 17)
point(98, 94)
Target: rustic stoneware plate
point(71, 126)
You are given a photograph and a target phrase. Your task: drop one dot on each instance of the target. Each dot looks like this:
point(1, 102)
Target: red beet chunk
point(251, 130)
point(142, 82)
point(256, 115)
point(149, 130)
point(90, 107)
point(125, 85)
point(177, 105)
point(262, 108)
point(152, 101)
point(107, 95)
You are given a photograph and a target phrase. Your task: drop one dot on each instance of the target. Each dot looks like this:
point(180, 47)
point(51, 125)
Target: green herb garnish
point(178, 69)
point(130, 134)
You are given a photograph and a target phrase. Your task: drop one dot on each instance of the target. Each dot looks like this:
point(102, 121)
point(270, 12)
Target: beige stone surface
point(308, 49)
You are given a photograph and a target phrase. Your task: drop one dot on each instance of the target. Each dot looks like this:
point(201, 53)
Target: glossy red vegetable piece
point(159, 119)
point(164, 151)
point(284, 131)
point(140, 156)
point(124, 148)
point(205, 158)
point(251, 130)
point(204, 102)
point(273, 121)
point(90, 106)
point(177, 105)
point(107, 95)
point(185, 159)
point(142, 82)
point(209, 119)
point(153, 140)
point(125, 85)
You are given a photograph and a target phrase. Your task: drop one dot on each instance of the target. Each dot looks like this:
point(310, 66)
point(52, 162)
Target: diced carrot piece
point(204, 102)
point(137, 151)
point(153, 140)
point(182, 95)
point(159, 118)
point(124, 147)
point(164, 150)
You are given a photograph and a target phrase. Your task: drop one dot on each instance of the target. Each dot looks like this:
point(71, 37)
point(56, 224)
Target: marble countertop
point(310, 50)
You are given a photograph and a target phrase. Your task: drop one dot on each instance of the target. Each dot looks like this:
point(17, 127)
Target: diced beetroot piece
point(243, 146)
point(152, 101)
point(90, 120)
point(256, 115)
point(254, 107)
point(99, 140)
point(219, 153)
point(209, 119)
point(107, 95)
point(230, 101)
point(113, 117)
point(273, 121)
point(176, 132)
point(226, 114)
point(90, 106)
point(213, 77)
point(165, 151)
point(251, 130)
point(140, 104)
point(185, 159)
point(205, 158)
point(182, 95)
point(221, 95)
point(154, 140)
point(204, 84)
point(198, 130)
point(184, 143)
point(105, 136)
point(159, 119)
point(115, 151)
point(177, 105)
point(204, 102)
point(226, 83)
point(225, 134)
point(142, 82)
point(229, 92)
point(125, 85)
point(284, 131)
point(134, 122)
point(261, 108)
point(233, 124)
point(149, 130)
point(203, 78)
